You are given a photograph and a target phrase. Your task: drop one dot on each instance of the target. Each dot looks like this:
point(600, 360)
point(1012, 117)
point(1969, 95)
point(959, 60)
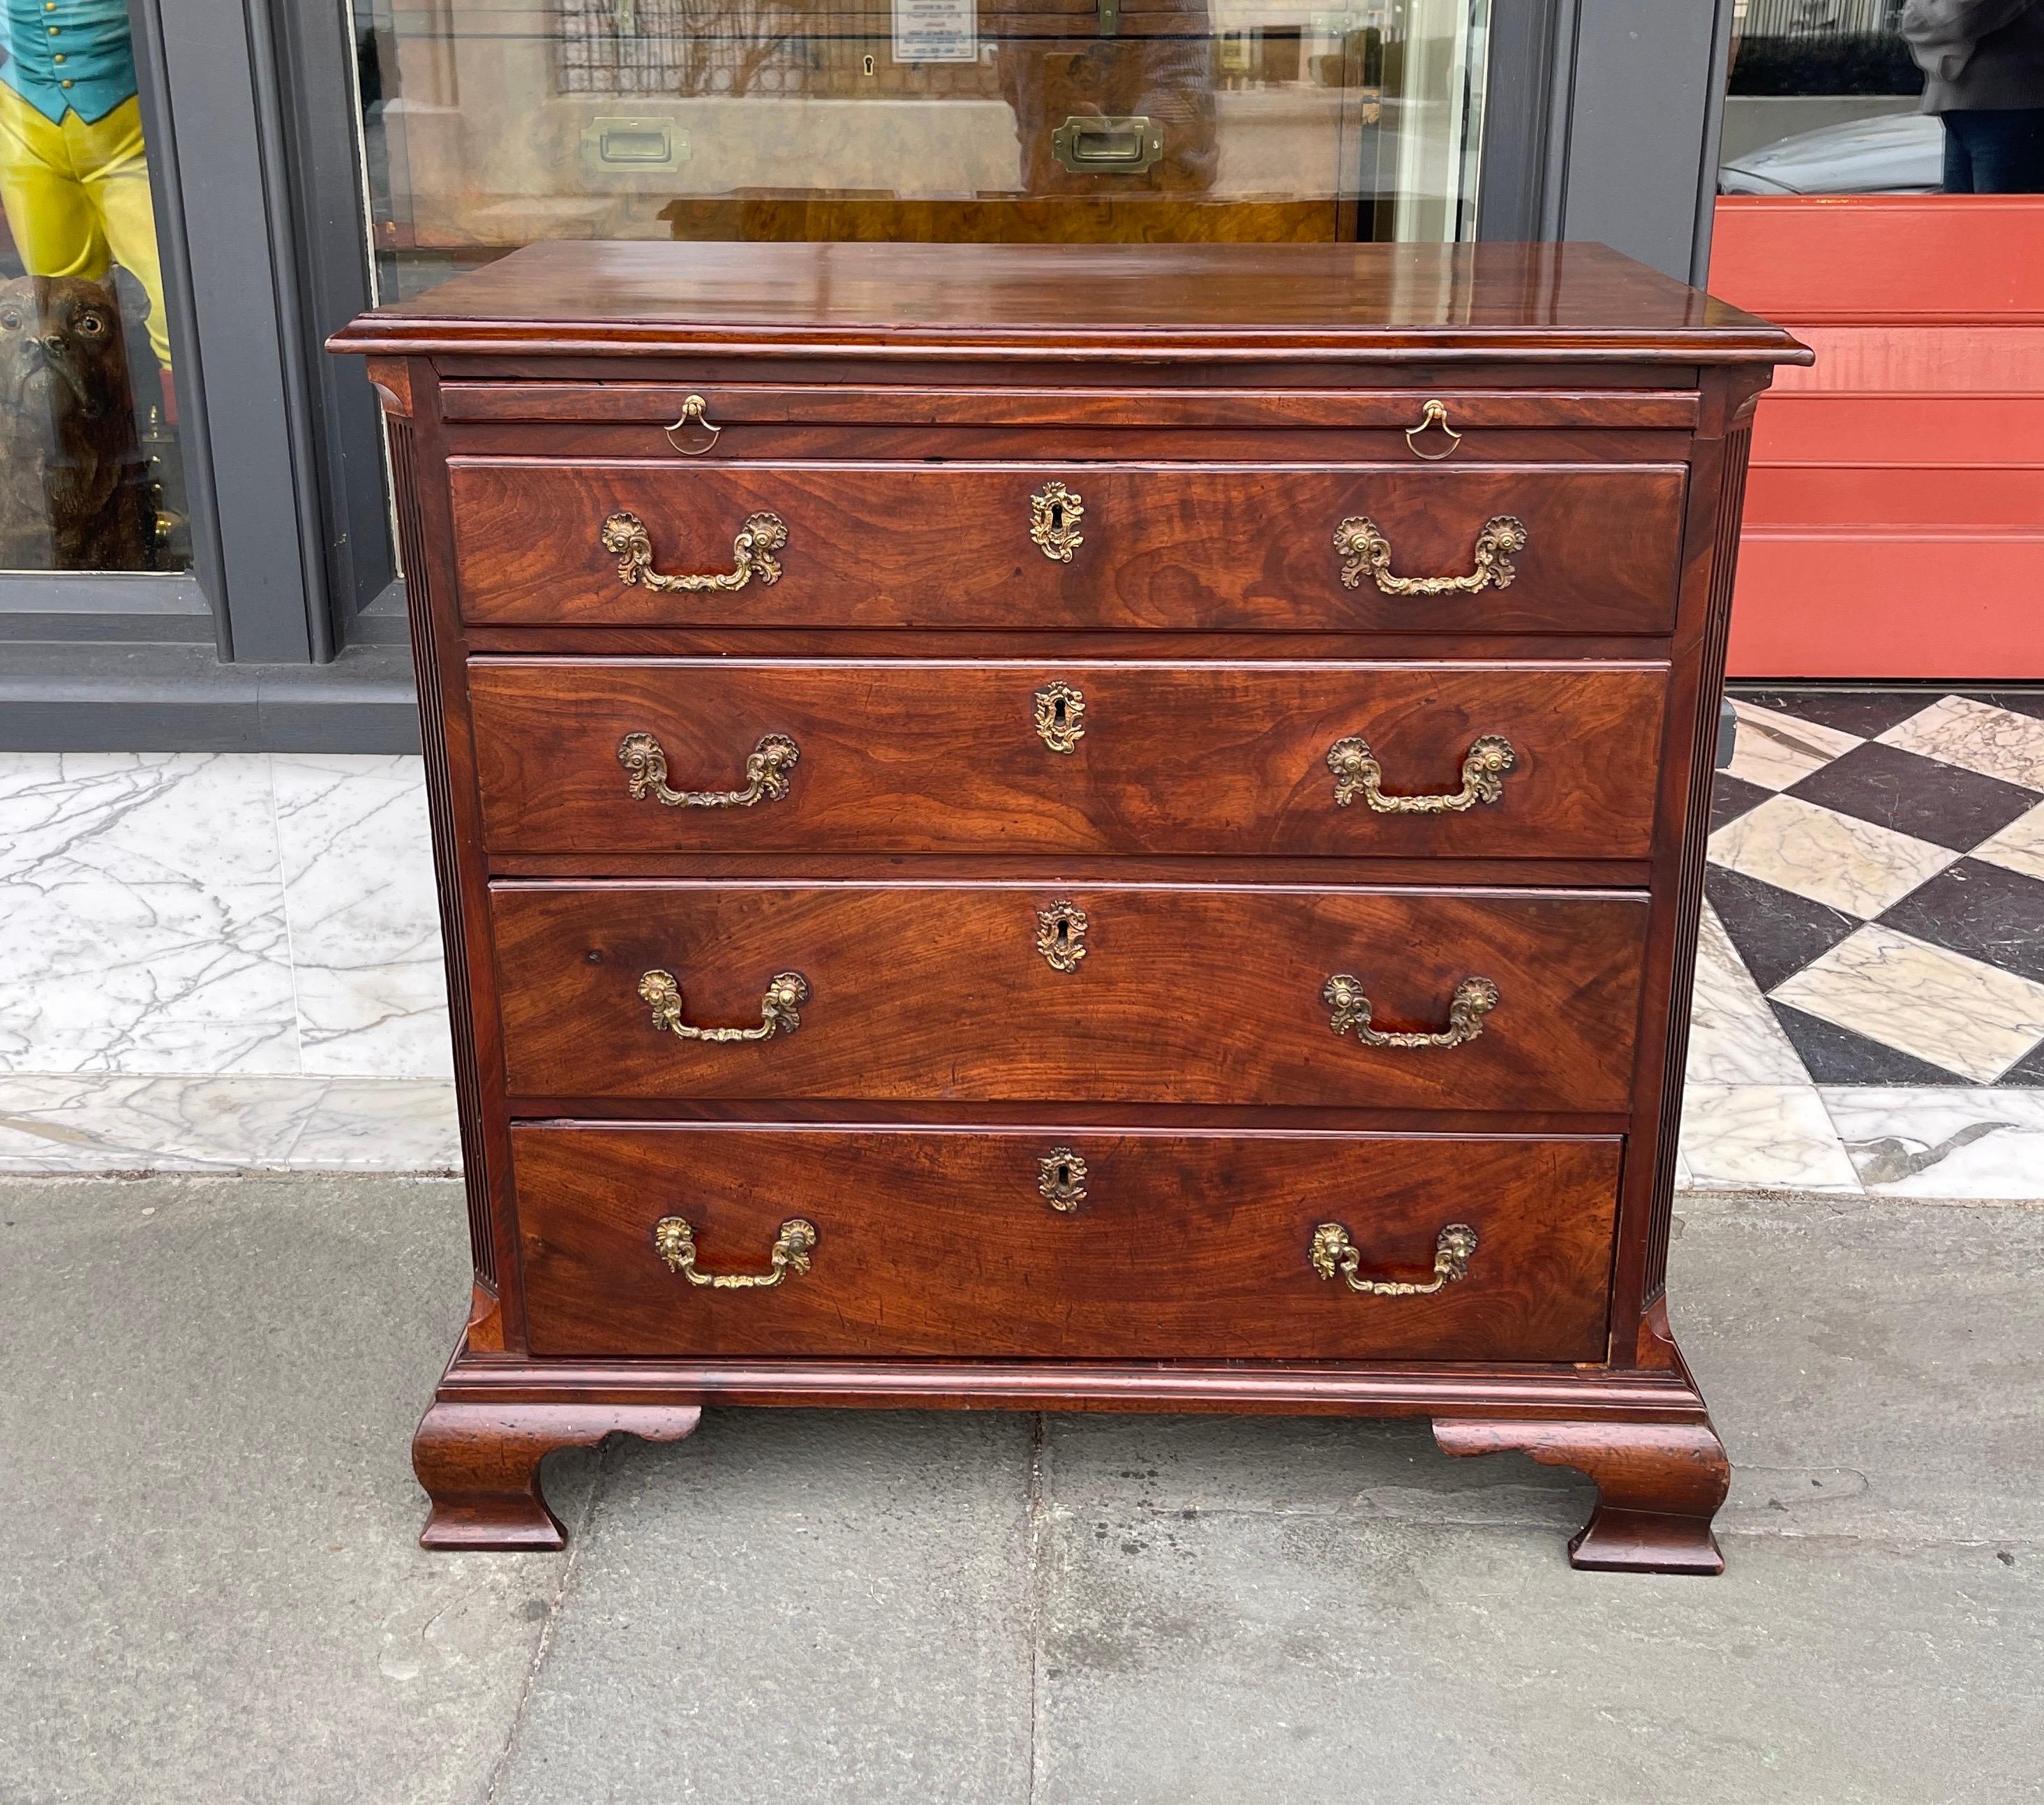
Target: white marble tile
point(95, 1122)
point(363, 915)
point(2019, 846)
point(1853, 865)
point(381, 1125)
point(1985, 1144)
point(143, 904)
point(1761, 1137)
point(1940, 1006)
point(1734, 1037)
point(1996, 742)
point(1776, 750)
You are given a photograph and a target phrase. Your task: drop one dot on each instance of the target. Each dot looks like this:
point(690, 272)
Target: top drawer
point(1497, 548)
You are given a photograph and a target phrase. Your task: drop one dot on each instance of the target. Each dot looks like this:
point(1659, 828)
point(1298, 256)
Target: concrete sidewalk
point(209, 1589)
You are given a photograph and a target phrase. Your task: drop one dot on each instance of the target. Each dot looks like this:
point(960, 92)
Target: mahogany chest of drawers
point(1113, 828)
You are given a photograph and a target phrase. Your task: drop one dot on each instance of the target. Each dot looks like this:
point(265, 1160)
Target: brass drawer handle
point(751, 554)
point(695, 408)
point(1126, 144)
point(1357, 540)
point(780, 1008)
point(675, 1241)
point(1334, 1253)
point(1474, 999)
point(1054, 514)
point(1061, 716)
point(767, 769)
point(1357, 773)
point(1434, 414)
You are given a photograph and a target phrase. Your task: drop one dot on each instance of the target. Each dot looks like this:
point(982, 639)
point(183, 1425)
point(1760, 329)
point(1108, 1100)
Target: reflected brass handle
point(1333, 1253)
point(675, 1241)
point(1357, 773)
point(780, 1008)
point(1434, 414)
point(751, 554)
point(695, 408)
point(767, 769)
point(1357, 540)
point(1128, 145)
point(1474, 999)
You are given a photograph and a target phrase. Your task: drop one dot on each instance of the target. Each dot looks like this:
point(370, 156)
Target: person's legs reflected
point(1999, 151)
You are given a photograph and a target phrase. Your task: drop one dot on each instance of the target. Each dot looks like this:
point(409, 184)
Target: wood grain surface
point(941, 545)
point(939, 1243)
point(1185, 993)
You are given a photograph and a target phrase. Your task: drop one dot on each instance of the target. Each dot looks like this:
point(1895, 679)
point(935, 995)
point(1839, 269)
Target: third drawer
point(1484, 1000)
point(700, 755)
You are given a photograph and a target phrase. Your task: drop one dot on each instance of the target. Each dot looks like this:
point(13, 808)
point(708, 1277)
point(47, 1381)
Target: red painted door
point(1895, 512)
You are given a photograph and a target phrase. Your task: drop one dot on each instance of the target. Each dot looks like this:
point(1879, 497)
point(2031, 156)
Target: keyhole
point(1059, 712)
point(868, 65)
point(1056, 517)
point(1064, 934)
point(1062, 1177)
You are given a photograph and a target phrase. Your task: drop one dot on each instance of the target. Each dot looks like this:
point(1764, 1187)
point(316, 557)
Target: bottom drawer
point(943, 1241)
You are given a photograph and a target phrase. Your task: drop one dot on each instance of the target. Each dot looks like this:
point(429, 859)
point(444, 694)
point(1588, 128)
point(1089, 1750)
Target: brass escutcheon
point(1060, 713)
point(766, 768)
point(780, 1008)
point(625, 537)
point(1061, 931)
point(1333, 1254)
point(1061, 1179)
point(1054, 514)
point(675, 1241)
point(1368, 552)
point(1474, 999)
point(1357, 773)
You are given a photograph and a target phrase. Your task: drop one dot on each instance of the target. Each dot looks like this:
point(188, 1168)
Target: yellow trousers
point(77, 197)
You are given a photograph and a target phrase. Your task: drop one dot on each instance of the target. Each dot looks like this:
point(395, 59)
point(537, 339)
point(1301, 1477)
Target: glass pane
point(489, 124)
point(1830, 97)
point(90, 477)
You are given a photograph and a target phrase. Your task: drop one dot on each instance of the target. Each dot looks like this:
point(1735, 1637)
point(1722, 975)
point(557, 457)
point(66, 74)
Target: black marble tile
point(1864, 712)
point(1731, 797)
point(1922, 797)
point(2028, 1073)
point(2029, 702)
point(1776, 932)
point(1833, 1055)
point(1985, 911)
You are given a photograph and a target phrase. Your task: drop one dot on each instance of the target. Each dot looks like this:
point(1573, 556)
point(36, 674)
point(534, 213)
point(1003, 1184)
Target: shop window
point(91, 479)
point(489, 125)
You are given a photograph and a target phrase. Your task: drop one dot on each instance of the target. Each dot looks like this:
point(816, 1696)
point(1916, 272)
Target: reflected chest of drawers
point(1113, 829)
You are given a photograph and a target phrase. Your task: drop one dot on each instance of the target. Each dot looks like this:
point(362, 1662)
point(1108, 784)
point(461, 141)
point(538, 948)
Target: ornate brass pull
point(767, 769)
point(1061, 932)
point(1357, 773)
point(1333, 1253)
point(1357, 540)
point(751, 554)
point(1434, 414)
point(1061, 1179)
point(1054, 514)
point(695, 408)
point(1060, 711)
point(675, 1241)
point(1474, 999)
point(780, 1008)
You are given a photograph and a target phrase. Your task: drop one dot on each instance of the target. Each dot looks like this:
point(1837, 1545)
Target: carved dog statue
point(74, 487)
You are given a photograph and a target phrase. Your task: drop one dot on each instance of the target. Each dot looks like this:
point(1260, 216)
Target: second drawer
point(1010, 992)
point(702, 755)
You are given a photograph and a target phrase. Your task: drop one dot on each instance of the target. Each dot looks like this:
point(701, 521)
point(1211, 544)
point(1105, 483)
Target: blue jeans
point(1995, 151)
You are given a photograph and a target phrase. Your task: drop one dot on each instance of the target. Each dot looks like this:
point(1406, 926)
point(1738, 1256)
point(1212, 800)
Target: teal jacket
point(71, 54)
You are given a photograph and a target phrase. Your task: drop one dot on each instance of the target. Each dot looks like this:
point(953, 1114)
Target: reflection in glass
point(87, 405)
point(489, 123)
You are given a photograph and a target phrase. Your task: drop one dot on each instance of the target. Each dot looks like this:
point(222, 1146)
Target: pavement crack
point(585, 1520)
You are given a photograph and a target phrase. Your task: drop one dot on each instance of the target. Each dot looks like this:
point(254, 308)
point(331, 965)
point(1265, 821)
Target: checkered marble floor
point(1876, 859)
